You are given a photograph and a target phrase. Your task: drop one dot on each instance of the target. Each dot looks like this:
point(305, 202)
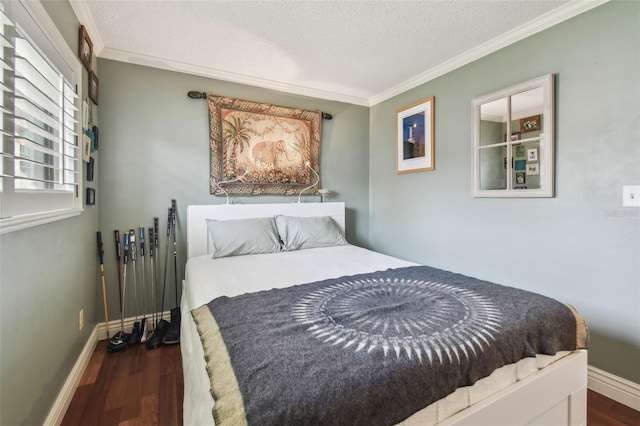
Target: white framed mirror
point(513, 141)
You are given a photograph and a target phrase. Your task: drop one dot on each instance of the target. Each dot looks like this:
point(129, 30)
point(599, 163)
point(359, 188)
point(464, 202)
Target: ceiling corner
point(85, 18)
point(561, 14)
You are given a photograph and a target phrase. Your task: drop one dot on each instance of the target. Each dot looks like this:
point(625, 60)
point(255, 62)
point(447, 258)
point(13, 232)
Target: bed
point(243, 374)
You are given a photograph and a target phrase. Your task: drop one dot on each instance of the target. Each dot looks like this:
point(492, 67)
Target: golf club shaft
point(104, 287)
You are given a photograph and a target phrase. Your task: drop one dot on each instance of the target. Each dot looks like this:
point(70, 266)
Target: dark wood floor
point(602, 411)
point(145, 387)
point(133, 387)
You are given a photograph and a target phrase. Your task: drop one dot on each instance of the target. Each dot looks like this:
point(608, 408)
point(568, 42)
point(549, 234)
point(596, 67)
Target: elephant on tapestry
point(268, 153)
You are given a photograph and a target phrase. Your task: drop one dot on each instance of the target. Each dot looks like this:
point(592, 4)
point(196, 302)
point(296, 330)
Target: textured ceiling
point(354, 51)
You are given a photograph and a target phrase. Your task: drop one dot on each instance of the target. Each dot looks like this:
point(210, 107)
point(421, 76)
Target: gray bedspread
point(370, 349)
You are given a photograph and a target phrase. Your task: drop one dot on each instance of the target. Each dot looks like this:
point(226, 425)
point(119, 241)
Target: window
point(40, 167)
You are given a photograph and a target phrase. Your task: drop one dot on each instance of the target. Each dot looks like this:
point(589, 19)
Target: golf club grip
point(116, 235)
point(132, 245)
point(126, 248)
point(141, 231)
point(100, 251)
point(151, 236)
point(156, 230)
point(118, 248)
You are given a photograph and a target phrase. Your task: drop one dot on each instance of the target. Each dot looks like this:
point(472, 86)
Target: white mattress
point(208, 278)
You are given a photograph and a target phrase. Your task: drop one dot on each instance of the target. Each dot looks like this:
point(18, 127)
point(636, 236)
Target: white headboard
point(197, 217)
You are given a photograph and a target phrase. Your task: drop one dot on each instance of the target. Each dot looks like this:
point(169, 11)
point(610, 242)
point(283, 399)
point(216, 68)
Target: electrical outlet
point(80, 319)
point(631, 195)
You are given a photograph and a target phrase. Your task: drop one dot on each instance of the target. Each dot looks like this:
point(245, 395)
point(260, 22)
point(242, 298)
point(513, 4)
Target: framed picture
point(260, 149)
point(533, 169)
point(415, 137)
point(86, 147)
point(530, 124)
point(85, 48)
point(90, 169)
point(90, 197)
point(94, 88)
point(515, 136)
point(520, 164)
point(532, 154)
point(95, 137)
point(85, 114)
point(520, 151)
point(520, 178)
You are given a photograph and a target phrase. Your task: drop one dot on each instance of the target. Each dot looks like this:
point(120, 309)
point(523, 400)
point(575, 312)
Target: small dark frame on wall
point(85, 48)
point(90, 197)
point(530, 124)
point(90, 168)
point(95, 135)
point(94, 87)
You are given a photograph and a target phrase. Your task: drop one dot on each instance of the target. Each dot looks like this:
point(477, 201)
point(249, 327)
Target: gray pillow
point(242, 236)
point(299, 233)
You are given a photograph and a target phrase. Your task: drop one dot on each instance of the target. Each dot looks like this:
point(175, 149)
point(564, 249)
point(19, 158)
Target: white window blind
point(40, 165)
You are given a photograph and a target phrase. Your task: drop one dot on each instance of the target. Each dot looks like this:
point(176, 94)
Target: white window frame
point(546, 141)
point(36, 22)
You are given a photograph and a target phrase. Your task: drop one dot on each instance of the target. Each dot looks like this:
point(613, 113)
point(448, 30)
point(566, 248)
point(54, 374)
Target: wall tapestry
point(262, 148)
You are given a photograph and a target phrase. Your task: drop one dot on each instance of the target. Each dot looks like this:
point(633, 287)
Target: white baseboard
point(621, 390)
point(114, 325)
point(59, 409)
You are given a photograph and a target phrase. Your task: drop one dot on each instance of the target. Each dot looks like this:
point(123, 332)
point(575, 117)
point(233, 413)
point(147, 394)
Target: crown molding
point(561, 14)
point(85, 17)
point(198, 70)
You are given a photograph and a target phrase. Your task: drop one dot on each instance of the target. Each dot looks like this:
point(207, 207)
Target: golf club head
point(155, 340)
point(116, 345)
point(143, 330)
point(134, 339)
point(122, 336)
point(173, 334)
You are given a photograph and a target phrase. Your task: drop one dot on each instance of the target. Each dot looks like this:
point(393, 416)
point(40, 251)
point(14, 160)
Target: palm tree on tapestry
point(237, 134)
point(303, 147)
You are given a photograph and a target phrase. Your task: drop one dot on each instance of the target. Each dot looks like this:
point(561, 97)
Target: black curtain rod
point(194, 94)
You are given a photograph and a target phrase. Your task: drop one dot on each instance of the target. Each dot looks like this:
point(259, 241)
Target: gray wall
point(582, 246)
point(154, 146)
point(47, 274)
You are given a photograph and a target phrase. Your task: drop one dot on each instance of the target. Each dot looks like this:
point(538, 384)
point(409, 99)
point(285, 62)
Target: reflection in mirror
point(493, 168)
point(527, 112)
point(494, 116)
point(513, 141)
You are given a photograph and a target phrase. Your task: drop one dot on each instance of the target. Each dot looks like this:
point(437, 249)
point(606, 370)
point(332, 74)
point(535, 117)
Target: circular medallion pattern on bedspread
point(421, 320)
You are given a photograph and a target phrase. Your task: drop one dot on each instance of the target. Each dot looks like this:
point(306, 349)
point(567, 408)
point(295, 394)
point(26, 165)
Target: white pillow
point(299, 233)
point(242, 236)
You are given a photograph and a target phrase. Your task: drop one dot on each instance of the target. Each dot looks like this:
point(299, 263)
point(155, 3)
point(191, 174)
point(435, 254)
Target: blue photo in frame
point(520, 164)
